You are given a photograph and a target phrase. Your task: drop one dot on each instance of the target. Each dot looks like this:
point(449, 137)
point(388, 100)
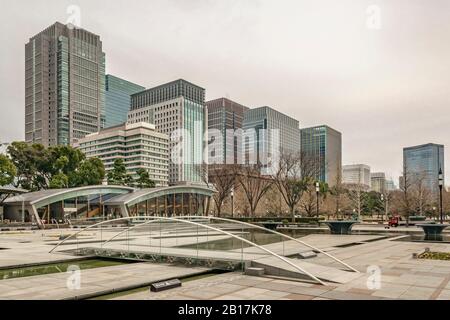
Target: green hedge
point(281, 219)
point(417, 218)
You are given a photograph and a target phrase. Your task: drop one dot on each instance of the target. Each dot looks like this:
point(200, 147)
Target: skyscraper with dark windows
point(268, 134)
point(64, 85)
point(118, 99)
point(227, 117)
point(324, 145)
point(422, 164)
point(177, 108)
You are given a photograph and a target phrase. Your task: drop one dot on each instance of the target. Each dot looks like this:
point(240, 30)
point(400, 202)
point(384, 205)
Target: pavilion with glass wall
point(95, 203)
point(172, 201)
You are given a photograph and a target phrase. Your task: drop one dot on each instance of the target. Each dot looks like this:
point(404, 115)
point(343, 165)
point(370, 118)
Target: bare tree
point(289, 181)
point(223, 179)
point(356, 193)
point(337, 191)
point(446, 201)
point(422, 196)
point(406, 187)
point(253, 183)
point(274, 202)
point(308, 202)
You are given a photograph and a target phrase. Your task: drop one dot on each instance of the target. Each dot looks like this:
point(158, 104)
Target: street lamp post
point(317, 197)
point(384, 204)
point(232, 203)
point(441, 185)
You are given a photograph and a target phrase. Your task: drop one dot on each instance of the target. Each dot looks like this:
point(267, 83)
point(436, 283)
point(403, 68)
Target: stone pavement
point(92, 282)
point(402, 277)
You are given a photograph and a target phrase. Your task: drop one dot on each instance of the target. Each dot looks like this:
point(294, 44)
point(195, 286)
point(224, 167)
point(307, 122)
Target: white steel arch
point(246, 224)
point(207, 227)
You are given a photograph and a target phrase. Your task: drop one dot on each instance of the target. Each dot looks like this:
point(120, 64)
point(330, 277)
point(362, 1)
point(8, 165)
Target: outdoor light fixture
point(441, 184)
point(317, 197)
point(232, 202)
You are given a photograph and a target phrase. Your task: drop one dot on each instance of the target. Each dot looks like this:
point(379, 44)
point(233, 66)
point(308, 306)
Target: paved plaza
point(387, 268)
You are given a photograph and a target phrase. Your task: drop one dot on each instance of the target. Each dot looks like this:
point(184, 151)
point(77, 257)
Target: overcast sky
point(384, 83)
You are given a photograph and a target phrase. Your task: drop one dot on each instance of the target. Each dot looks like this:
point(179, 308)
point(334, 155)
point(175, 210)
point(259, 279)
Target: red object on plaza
point(394, 222)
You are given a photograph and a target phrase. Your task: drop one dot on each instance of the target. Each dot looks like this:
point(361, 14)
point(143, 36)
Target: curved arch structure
point(248, 225)
point(119, 202)
point(125, 201)
point(206, 227)
point(35, 200)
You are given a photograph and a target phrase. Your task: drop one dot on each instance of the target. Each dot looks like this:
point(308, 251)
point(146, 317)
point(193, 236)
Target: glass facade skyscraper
point(118, 99)
point(175, 107)
point(64, 85)
point(274, 133)
point(226, 116)
point(423, 162)
point(324, 145)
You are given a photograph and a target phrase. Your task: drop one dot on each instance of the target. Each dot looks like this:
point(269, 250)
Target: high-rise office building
point(356, 175)
point(64, 85)
point(225, 116)
point(177, 109)
point(118, 99)
point(324, 145)
point(138, 144)
point(268, 134)
point(378, 182)
point(423, 163)
point(390, 185)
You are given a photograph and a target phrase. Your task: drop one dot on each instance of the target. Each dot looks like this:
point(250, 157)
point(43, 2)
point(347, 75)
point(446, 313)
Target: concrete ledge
point(256, 272)
point(307, 255)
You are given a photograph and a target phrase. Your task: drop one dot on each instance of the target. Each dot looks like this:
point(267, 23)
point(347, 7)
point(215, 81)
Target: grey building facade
point(177, 107)
point(424, 162)
point(324, 145)
point(138, 144)
point(378, 182)
point(64, 85)
point(227, 117)
point(356, 175)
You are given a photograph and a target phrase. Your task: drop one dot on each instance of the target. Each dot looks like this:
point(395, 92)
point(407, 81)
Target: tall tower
point(421, 165)
point(177, 107)
point(226, 116)
point(64, 85)
point(324, 145)
point(274, 134)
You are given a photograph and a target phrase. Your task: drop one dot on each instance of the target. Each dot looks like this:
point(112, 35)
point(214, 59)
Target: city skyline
point(409, 110)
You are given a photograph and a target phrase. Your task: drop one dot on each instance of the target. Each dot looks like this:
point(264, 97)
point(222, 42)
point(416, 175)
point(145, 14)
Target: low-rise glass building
point(101, 203)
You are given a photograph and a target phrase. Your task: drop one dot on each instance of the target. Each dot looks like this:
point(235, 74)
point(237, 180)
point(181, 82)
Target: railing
point(198, 225)
point(248, 225)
